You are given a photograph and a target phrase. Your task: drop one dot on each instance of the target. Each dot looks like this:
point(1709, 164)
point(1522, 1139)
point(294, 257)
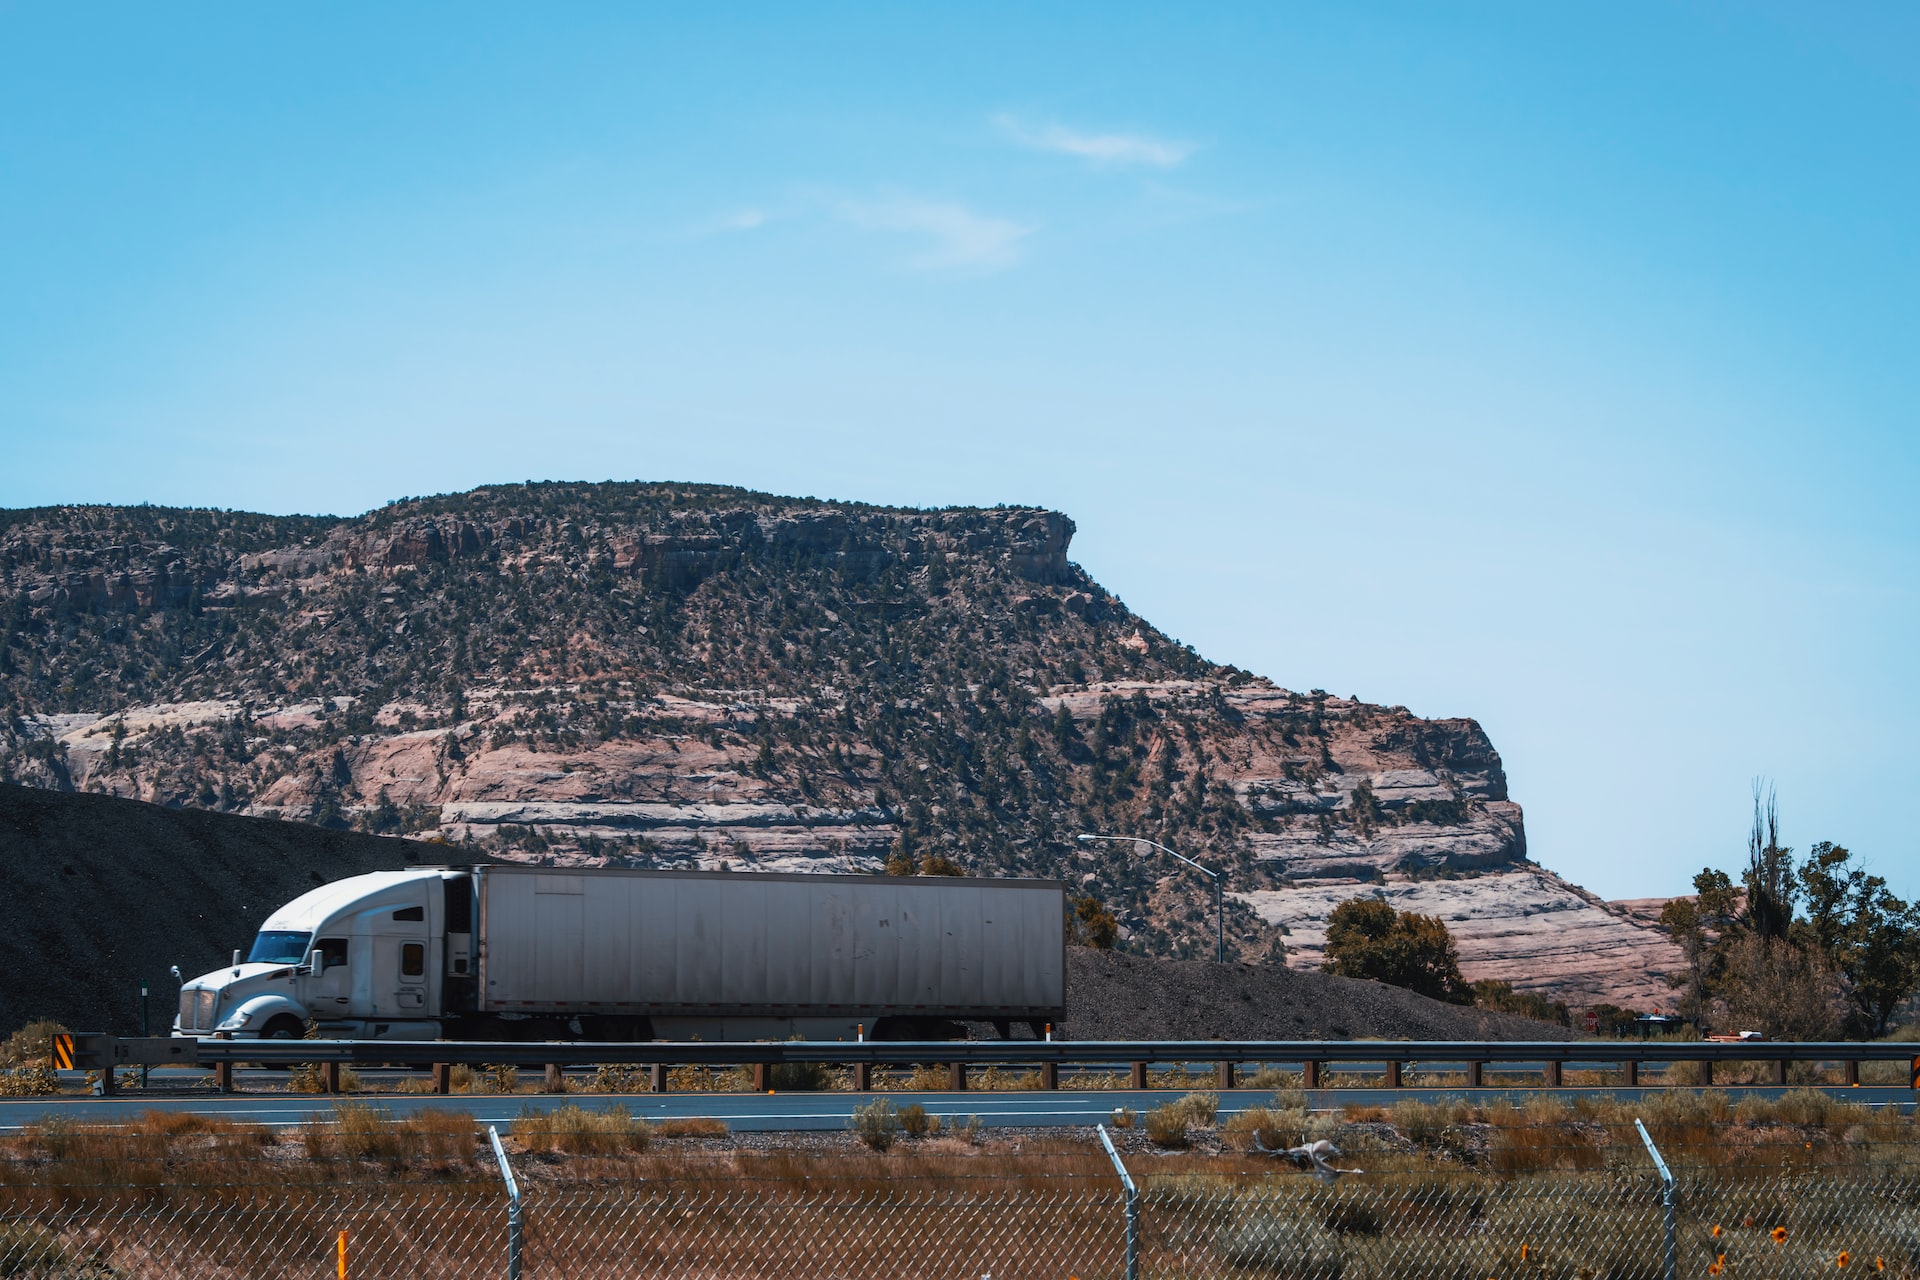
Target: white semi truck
point(506, 952)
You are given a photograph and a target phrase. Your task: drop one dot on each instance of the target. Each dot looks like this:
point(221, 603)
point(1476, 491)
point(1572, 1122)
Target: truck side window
point(333, 952)
point(413, 959)
point(410, 913)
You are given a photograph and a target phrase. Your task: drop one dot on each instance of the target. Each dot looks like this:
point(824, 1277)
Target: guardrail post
point(1550, 1075)
point(1393, 1073)
point(443, 1077)
point(1669, 1201)
point(1133, 1205)
point(957, 1076)
point(1223, 1075)
point(863, 1077)
point(1049, 1075)
point(1476, 1075)
point(1633, 1073)
point(657, 1077)
point(513, 1204)
point(330, 1077)
point(223, 1076)
point(1137, 1075)
point(1706, 1073)
point(1852, 1076)
point(556, 1079)
point(1309, 1075)
point(763, 1077)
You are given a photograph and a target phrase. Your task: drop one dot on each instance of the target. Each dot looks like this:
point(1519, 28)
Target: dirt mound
point(102, 894)
point(1111, 996)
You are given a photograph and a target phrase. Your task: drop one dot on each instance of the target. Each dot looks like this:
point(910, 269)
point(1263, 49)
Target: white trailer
point(504, 951)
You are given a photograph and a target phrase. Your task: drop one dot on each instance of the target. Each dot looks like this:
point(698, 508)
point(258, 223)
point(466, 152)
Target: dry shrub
point(690, 1127)
point(877, 1124)
point(37, 1080)
point(1433, 1124)
point(501, 1077)
point(1167, 1126)
point(1124, 1117)
point(461, 1078)
point(1281, 1244)
point(306, 1078)
point(368, 1133)
point(31, 1045)
point(443, 1137)
point(710, 1080)
point(609, 1078)
point(579, 1132)
point(1201, 1108)
point(929, 1077)
point(916, 1123)
point(1266, 1126)
point(1290, 1100)
point(1275, 1079)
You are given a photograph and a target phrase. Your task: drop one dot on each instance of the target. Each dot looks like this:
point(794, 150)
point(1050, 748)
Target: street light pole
point(1219, 913)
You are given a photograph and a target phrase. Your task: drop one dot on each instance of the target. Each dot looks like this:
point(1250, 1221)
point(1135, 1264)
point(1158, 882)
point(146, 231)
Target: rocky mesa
point(696, 675)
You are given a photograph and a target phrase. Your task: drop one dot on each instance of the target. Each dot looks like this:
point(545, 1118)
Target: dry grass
point(576, 1131)
point(1168, 1126)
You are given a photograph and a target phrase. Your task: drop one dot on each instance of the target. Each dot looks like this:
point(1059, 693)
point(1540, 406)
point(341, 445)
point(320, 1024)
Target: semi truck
point(507, 952)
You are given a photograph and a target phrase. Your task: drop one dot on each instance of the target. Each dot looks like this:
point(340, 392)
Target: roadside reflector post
point(1137, 1076)
point(443, 1077)
point(1394, 1067)
point(556, 1079)
point(957, 1076)
point(657, 1077)
point(340, 1255)
point(1551, 1075)
point(862, 1077)
point(1049, 1075)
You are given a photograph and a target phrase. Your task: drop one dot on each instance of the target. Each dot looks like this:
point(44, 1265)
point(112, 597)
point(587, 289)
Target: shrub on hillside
point(1367, 938)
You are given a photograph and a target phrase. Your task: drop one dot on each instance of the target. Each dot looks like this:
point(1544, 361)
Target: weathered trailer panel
point(558, 940)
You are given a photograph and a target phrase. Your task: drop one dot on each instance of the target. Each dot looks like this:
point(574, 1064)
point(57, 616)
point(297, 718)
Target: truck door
point(400, 963)
point(330, 987)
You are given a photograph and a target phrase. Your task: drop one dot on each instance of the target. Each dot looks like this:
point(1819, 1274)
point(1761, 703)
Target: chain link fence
point(1600, 1209)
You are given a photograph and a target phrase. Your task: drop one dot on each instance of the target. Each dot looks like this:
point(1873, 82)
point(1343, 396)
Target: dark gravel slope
point(97, 894)
point(1122, 997)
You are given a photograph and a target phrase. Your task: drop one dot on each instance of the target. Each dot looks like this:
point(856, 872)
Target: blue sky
point(1545, 364)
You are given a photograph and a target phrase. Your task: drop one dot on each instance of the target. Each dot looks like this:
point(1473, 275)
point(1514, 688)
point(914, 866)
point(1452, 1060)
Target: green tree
point(1367, 938)
point(1872, 936)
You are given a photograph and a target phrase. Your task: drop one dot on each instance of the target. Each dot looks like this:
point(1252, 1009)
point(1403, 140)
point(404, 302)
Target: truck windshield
point(279, 948)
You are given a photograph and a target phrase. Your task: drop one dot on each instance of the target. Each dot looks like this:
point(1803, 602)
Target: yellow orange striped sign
point(63, 1053)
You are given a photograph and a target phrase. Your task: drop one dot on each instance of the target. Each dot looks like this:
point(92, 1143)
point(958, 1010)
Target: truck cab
point(368, 957)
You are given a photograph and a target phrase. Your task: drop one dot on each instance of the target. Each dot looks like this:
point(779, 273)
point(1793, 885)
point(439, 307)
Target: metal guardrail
point(1037, 1052)
point(104, 1053)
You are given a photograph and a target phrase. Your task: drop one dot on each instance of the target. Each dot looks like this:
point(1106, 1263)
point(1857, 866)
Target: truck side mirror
point(316, 961)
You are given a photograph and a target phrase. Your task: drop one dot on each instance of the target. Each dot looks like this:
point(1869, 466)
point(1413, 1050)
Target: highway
point(1065, 1108)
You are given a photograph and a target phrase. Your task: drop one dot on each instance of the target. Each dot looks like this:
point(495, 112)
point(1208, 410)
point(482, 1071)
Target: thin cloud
point(957, 238)
point(1101, 148)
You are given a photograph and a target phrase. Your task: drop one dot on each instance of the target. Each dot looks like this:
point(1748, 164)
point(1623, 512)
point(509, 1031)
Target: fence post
point(1668, 1201)
point(1133, 1205)
point(513, 1204)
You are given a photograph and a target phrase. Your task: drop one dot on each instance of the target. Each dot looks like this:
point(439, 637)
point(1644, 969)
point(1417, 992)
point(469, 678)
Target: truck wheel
point(284, 1027)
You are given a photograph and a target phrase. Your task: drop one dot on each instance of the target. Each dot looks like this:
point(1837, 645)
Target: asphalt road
point(789, 1111)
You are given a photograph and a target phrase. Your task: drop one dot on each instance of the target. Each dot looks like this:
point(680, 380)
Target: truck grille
point(196, 1009)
